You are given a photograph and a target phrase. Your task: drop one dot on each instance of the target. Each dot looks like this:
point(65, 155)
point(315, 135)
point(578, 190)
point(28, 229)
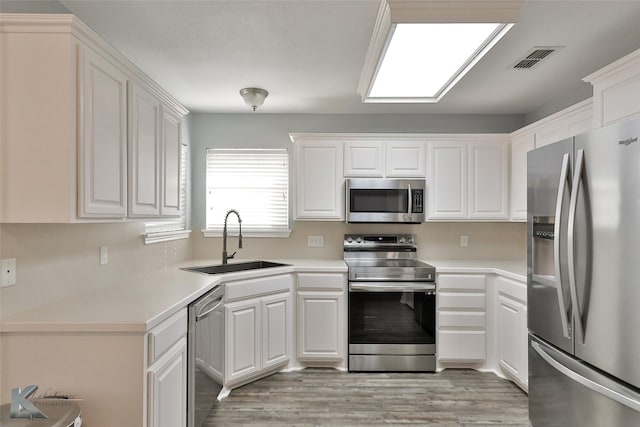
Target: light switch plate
point(7, 272)
point(464, 241)
point(315, 241)
point(104, 255)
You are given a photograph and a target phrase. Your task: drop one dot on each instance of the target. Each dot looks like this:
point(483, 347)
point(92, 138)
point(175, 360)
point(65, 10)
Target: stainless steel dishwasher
point(205, 355)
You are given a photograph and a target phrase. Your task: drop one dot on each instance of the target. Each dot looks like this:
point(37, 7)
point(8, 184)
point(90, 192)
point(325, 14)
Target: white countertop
point(516, 270)
point(139, 303)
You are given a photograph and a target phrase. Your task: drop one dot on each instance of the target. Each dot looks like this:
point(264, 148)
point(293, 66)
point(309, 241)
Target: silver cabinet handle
point(573, 203)
point(564, 176)
point(623, 396)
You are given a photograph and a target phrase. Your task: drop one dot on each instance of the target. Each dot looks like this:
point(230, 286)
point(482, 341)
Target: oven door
point(392, 326)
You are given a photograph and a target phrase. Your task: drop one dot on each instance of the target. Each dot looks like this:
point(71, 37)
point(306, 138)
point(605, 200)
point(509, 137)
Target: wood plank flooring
point(317, 397)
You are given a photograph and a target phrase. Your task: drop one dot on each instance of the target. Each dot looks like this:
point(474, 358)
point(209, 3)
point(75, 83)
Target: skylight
point(423, 61)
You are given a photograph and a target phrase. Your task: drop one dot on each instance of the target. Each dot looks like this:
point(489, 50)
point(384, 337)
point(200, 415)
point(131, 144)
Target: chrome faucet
point(226, 257)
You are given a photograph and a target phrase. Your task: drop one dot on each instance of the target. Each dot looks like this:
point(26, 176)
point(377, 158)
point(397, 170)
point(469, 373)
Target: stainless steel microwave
point(385, 200)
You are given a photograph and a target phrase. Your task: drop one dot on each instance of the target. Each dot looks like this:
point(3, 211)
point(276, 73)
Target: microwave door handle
point(410, 199)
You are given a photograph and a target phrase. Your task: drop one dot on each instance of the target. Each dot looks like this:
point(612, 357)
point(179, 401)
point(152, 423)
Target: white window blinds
point(255, 183)
point(169, 227)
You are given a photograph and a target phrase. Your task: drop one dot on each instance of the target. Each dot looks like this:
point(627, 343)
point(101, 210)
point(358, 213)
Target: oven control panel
point(372, 240)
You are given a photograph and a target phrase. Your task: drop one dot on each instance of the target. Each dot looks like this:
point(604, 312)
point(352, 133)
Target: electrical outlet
point(104, 255)
point(315, 241)
point(464, 241)
point(7, 272)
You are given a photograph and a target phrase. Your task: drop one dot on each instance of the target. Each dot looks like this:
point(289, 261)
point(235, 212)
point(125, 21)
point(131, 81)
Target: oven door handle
point(391, 287)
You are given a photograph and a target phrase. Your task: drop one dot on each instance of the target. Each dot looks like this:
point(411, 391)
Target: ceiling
point(309, 53)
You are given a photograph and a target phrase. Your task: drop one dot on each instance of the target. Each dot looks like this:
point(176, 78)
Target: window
point(176, 229)
point(255, 183)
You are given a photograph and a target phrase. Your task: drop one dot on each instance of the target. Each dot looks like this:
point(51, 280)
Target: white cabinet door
point(320, 326)
point(520, 146)
point(168, 388)
point(509, 336)
point(406, 159)
point(144, 152)
point(243, 339)
point(488, 180)
point(102, 149)
point(447, 182)
point(276, 330)
point(170, 155)
point(319, 180)
point(364, 159)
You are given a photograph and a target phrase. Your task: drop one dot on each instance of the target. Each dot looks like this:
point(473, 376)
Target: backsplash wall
point(57, 261)
point(436, 241)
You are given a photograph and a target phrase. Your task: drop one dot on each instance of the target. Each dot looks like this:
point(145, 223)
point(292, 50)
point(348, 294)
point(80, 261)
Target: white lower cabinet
point(511, 334)
point(258, 328)
point(461, 318)
point(321, 318)
point(243, 339)
point(167, 373)
point(168, 388)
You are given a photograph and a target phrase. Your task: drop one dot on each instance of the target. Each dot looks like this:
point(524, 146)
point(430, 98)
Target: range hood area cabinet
point(467, 174)
point(72, 141)
point(323, 161)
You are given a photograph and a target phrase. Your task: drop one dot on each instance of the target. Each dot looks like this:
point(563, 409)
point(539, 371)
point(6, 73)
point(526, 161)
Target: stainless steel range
point(392, 304)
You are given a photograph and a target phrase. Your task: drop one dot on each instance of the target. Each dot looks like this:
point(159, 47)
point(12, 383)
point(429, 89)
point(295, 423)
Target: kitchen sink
point(231, 268)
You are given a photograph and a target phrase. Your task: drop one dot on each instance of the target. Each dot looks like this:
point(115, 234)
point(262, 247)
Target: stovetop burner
point(385, 258)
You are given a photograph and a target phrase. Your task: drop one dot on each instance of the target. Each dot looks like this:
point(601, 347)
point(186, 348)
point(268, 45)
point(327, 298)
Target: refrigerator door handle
point(562, 184)
point(573, 203)
point(623, 396)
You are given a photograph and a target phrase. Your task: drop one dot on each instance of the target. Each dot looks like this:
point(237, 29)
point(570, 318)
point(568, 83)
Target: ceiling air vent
point(534, 56)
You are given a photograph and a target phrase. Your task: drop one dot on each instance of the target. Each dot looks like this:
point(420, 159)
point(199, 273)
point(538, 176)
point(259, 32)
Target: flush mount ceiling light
point(253, 96)
point(420, 49)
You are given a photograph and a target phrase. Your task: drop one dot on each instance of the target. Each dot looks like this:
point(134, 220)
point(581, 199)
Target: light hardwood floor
point(315, 397)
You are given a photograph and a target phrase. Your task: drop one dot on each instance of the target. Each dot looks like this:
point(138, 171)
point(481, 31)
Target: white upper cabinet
point(144, 153)
point(520, 145)
point(170, 163)
point(489, 180)
point(77, 148)
point(447, 181)
point(468, 177)
point(102, 146)
point(364, 159)
point(615, 90)
point(319, 179)
point(406, 159)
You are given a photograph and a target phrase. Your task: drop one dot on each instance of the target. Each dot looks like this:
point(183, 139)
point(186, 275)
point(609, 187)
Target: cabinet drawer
point(469, 300)
point(461, 319)
point(259, 286)
point(166, 334)
point(462, 281)
point(462, 346)
point(511, 288)
point(333, 281)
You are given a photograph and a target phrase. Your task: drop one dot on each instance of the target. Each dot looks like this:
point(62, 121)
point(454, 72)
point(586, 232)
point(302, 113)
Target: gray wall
point(32, 6)
point(256, 130)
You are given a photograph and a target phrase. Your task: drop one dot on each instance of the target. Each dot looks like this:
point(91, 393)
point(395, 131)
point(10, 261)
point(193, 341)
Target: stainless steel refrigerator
point(583, 255)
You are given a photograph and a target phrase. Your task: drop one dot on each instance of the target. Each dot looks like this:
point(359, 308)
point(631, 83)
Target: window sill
point(279, 234)
point(166, 236)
